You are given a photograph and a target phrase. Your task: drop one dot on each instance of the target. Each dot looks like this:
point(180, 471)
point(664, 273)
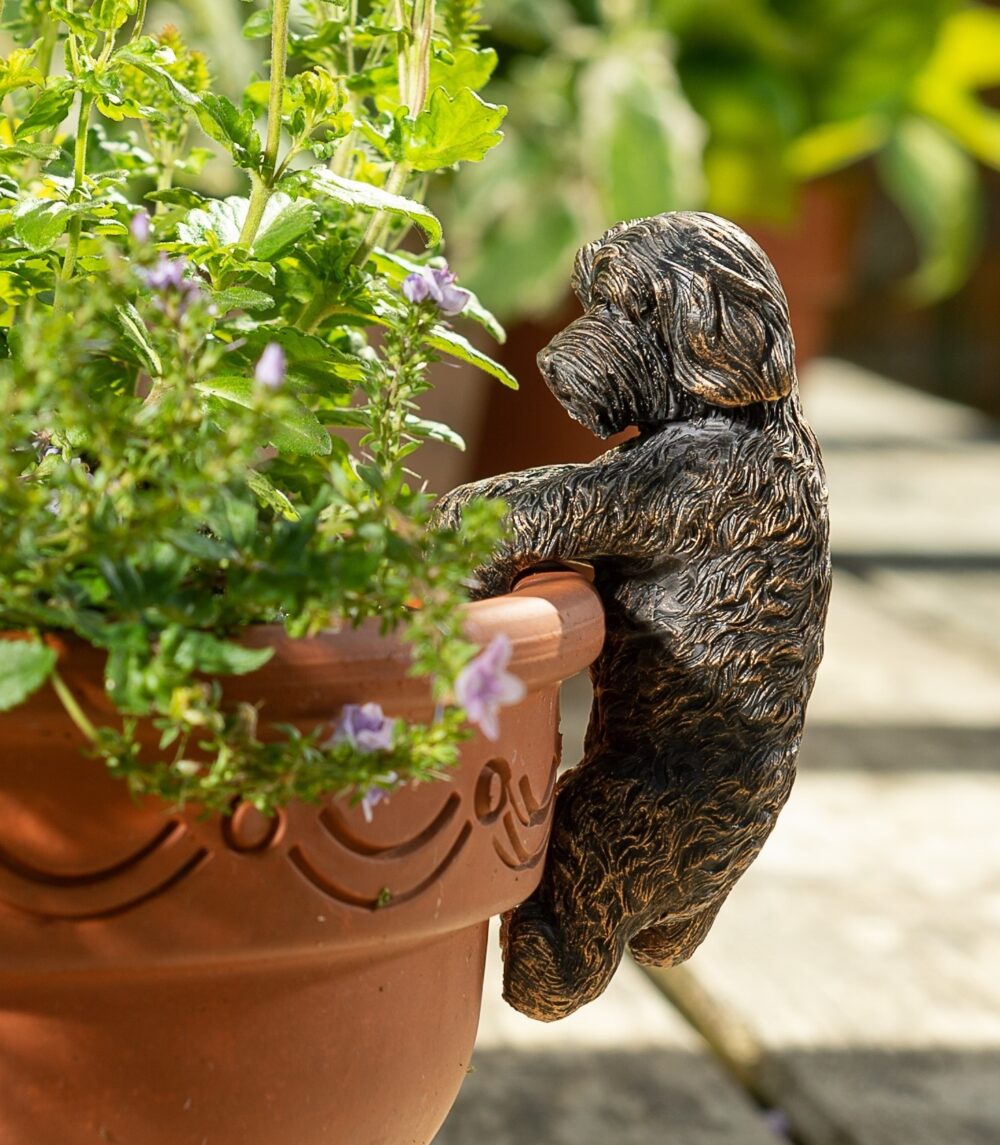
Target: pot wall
point(171, 979)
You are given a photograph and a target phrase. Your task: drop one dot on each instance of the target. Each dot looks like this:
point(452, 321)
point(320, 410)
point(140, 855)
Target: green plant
point(172, 365)
point(623, 108)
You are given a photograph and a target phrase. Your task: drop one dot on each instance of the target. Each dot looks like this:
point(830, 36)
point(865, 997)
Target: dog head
point(680, 309)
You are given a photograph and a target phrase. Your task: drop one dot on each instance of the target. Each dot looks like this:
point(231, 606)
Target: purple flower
point(484, 686)
point(438, 285)
point(166, 278)
point(140, 228)
point(416, 288)
point(364, 726)
point(270, 369)
point(376, 795)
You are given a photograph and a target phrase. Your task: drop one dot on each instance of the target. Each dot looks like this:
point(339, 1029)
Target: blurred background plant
point(621, 108)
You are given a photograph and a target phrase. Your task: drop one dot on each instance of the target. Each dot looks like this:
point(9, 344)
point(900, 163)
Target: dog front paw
point(547, 976)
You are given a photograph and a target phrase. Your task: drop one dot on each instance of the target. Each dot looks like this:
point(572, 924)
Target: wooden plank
point(910, 475)
point(847, 404)
point(879, 670)
point(933, 502)
point(966, 603)
point(625, 1070)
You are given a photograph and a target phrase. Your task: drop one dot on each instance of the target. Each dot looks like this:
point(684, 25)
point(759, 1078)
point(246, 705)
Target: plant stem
point(373, 235)
point(414, 75)
point(73, 709)
point(340, 161)
point(423, 20)
point(47, 44)
point(140, 19)
point(263, 184)
point(79, 172)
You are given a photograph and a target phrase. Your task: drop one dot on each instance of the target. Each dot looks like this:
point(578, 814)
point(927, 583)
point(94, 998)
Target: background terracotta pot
point(170, 979)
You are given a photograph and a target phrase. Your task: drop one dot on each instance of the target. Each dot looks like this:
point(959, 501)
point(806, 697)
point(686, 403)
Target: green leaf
point(435, 430)
point(39, 223)
point(466, 68)
point(217, 223)
point(641, 141)
point(348, 416)
point(831, 146)
point(258, 25)
point(453, 130)
point(49, 110)
point(285, 221)
point(448, 342)
point(25, 665)
point(134, 330)
point(271, 497)
point(299, 430)
point(109, 15)
point(371, 475)
point(43, 152)
point(218, 116)
point(367, 197)
point(18, 70)
point(936, 186)
point(309, 357)
point(224, 122)
point(241, 298)
point(203, 652)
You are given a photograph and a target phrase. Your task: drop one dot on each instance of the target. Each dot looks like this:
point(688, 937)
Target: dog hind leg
point(562, 946)
point(674, 940)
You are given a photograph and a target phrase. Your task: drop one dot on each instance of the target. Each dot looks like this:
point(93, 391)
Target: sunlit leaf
point(49, 110)
point(299, 430)
point(370, 198)
point(453, 130)
point(448, 342)
point(936, 186)
point(831, 146)
point(285, 221)
point(434, 430)
point(25, 665)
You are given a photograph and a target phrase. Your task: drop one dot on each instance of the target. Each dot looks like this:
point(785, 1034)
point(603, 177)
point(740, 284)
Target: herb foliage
point(155, 497)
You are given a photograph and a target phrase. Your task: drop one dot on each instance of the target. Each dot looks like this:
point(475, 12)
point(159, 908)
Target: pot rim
point(554, 621)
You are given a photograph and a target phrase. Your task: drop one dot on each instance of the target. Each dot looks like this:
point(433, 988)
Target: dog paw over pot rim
point(315, 977)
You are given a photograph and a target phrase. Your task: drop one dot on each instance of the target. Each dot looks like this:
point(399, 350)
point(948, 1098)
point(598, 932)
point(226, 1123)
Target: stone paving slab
point(880, 668)
point(852, 975)
point(625, 1070)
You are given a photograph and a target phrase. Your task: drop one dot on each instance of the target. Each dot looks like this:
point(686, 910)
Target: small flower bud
point(140, 227)
point(270, 369)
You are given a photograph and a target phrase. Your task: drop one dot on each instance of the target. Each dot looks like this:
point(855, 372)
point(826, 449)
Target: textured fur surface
point(708, 538)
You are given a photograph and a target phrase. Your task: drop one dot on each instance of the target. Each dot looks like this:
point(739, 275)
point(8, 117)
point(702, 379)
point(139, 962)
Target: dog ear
point(724, 315)
point(582, 277)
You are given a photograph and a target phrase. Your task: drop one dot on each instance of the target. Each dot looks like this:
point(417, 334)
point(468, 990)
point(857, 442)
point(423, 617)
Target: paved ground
point(849, 993)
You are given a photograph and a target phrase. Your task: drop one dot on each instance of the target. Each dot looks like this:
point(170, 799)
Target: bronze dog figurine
point(708, 538)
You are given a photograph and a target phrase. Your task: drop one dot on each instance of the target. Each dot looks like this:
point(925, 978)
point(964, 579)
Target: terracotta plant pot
point(170, 979)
